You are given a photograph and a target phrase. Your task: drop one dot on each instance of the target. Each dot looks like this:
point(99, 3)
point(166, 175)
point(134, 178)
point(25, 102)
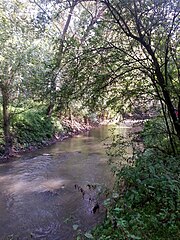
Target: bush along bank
point(146, 199)
point(33, 129)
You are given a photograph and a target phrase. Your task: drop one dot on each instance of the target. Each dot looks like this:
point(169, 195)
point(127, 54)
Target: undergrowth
point(147, 202)
point(32, 126)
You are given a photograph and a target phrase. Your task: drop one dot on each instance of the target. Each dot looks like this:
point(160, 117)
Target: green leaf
point(118, 209)
point(134, 237)
point(89, 235)
point(121, 222)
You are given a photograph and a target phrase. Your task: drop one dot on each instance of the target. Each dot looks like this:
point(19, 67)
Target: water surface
point(39, 195)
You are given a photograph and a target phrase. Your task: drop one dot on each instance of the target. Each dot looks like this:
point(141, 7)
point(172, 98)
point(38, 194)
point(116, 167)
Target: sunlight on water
point(36, 186)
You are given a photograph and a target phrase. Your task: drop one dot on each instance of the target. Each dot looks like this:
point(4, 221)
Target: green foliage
point(32, 126)
point(155, 135)
point(156, 139)
point(148, 208)
point(147, 201)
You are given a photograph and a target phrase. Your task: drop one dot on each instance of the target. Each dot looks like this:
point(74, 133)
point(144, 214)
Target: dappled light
point(19, 185)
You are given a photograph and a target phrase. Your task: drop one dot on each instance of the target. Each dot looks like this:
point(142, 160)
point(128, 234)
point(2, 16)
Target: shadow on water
point(38, 194)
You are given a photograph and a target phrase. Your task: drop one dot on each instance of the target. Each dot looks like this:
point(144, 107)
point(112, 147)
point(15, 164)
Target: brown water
point(38, 199)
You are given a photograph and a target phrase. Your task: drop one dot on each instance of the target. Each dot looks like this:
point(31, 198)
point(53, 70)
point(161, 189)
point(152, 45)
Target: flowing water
point(44, 194)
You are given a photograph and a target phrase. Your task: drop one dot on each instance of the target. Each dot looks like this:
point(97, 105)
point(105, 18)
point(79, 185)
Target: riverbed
point(50, 194)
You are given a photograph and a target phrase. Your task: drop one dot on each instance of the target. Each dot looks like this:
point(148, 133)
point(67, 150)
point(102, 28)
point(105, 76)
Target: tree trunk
point(6, 121)
point(164, 88)
point(59, 59)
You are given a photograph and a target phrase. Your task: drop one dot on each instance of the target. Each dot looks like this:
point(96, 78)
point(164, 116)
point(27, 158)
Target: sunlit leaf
point(89, 235)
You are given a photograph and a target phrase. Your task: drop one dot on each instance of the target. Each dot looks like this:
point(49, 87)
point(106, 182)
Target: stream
point(49, 194)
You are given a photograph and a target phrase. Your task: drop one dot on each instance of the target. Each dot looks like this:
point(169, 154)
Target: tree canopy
point(122, 55)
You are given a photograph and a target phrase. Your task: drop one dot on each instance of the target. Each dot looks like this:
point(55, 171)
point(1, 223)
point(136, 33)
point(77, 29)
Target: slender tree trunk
point(59, 58)
point(6, 121)
point(162, 83)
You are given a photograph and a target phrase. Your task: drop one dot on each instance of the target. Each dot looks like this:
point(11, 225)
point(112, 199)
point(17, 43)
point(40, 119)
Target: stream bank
point(69, 129)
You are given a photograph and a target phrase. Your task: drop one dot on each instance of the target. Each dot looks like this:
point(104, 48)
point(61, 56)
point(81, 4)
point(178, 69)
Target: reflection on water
point(38, 199)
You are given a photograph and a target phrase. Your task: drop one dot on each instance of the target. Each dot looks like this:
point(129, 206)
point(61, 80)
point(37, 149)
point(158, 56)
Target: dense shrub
point(147, 202)
point(32, 126)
